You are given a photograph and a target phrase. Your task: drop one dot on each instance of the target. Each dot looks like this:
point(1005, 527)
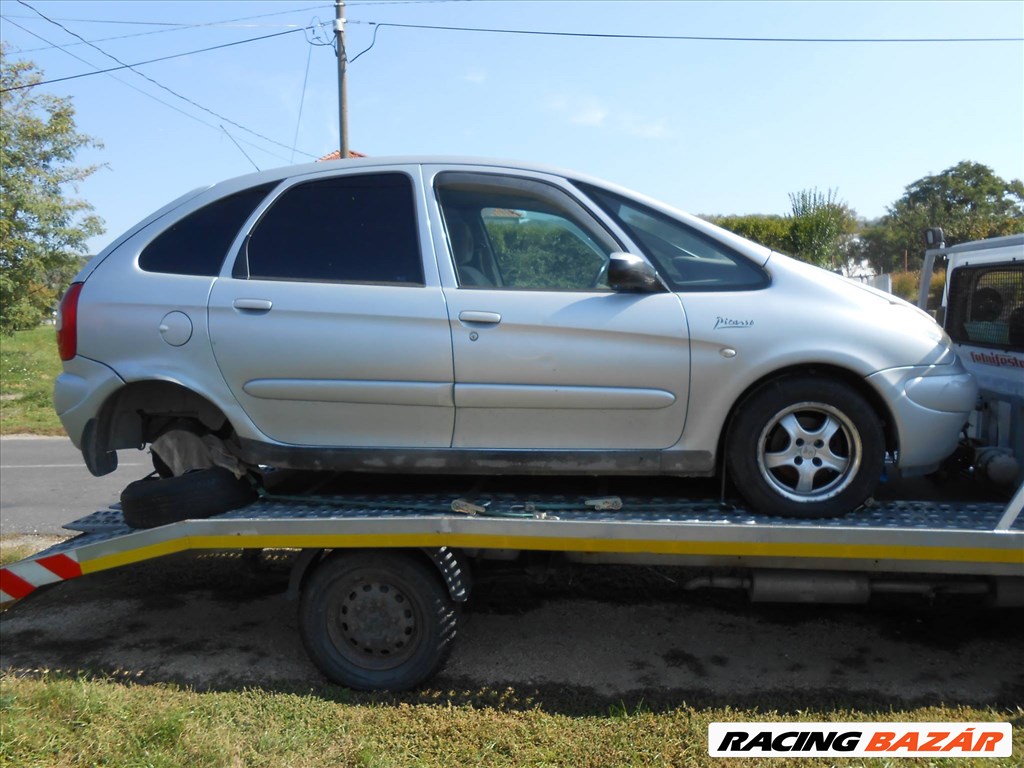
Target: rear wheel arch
point(141, 411)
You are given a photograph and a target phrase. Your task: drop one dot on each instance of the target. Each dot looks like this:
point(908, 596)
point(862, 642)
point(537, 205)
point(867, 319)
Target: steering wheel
point(602, 273)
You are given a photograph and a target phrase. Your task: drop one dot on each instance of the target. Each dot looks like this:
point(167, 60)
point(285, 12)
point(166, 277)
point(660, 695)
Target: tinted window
point(514, 233)
point(359, 229)
point(198, 243)
point(986, 306)
point(688, 259)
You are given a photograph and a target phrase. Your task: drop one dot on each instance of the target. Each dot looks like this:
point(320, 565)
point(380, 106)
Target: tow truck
point(982, 310)
point(380, 577)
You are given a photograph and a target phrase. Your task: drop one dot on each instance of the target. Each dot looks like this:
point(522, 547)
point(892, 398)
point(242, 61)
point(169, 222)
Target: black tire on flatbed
point(156, 501)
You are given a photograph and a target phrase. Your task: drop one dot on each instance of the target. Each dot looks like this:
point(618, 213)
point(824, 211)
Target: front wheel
point(377, 620)
point(806, 447)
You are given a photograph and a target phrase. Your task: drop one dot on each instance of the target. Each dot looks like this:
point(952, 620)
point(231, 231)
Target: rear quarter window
point(198, 243)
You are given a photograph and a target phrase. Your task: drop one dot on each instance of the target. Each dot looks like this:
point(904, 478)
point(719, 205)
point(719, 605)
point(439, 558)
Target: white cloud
point(475, 76)
point(591, 111)
point(642, 127)
point(584, 110)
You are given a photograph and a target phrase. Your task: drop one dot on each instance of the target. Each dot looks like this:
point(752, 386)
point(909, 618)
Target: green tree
point(537, 255)
point(969, 201)
point(770, 231)
point(820, 227)
point(43, 231)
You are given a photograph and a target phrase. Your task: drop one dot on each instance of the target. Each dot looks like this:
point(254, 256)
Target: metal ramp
point(983, 539)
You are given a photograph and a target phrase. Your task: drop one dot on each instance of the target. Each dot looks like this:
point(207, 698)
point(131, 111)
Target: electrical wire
point(373, 42)
point(161, 85)
point(702, 38)
point(154, 61)
point(161, 31)
point(149, 95)
point(314, 28)
point(175, 26)
point(302, 101)
point(240, 148)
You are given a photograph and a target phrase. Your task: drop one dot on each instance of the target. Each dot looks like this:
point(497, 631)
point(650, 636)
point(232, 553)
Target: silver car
point(439, 315)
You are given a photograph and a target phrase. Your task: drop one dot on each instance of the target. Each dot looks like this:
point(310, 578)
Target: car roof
point(757, 252)
point(289, 171)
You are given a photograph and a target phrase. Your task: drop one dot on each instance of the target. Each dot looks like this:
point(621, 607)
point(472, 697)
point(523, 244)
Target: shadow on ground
point(595, 640)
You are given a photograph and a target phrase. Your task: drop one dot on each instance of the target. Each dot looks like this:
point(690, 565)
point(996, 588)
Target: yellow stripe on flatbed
point(1012, 556)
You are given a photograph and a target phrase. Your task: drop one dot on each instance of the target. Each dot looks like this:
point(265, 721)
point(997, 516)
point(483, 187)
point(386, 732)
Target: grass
point(29, 363)
point(55, 720)
point(14, 548)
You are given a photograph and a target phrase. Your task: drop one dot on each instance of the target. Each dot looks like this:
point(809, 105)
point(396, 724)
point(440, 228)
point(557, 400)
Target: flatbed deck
point(981, 539)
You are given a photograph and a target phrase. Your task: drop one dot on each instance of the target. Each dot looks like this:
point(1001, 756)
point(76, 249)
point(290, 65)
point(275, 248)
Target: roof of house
point(336, 155)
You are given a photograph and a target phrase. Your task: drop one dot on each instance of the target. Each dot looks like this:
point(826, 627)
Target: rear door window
point(344, 229)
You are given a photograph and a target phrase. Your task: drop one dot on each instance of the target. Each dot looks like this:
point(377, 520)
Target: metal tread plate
point(908, 536)
point(895, 514)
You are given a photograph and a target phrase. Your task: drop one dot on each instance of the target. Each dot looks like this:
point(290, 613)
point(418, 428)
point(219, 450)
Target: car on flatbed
point(453, 315)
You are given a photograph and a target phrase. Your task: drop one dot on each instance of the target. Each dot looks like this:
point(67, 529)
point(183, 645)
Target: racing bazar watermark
point(859, 739)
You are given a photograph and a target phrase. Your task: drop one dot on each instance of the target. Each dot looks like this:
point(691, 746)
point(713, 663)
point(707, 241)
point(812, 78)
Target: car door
point(546, 356)
point(328, 329)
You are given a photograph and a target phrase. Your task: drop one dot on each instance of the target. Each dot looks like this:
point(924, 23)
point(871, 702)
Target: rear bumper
point(930, 405)
point(79, 393)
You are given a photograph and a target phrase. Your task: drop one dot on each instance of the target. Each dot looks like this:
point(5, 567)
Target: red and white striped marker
point(20, 579)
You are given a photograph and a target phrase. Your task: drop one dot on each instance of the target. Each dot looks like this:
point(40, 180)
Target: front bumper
point(930, 405)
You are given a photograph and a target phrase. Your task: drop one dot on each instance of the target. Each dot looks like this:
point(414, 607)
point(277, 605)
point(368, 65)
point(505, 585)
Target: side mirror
point(628, 273)
point(934, 237)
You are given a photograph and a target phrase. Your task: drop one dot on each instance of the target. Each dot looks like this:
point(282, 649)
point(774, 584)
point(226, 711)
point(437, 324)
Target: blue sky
point(711, 127)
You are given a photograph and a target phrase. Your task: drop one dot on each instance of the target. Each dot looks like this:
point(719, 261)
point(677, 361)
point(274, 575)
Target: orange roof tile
point(336, 155)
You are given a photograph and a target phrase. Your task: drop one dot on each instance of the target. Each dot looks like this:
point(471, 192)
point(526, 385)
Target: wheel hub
point(376, 619)
point(809, 452)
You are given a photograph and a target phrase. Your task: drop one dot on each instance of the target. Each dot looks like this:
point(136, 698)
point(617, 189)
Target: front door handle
point(253, 305)
point(474, 316)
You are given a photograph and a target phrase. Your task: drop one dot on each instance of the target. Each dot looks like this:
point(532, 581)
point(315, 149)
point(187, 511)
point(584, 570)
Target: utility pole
point(339, 38)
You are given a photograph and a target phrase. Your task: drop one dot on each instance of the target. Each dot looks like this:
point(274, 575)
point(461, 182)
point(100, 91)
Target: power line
point(240, 148)
point(154, 61)
point(173, 26)
point(702, 38)
point(161, 85)
point(302, 100)
point(149, 95)
point(175, 23)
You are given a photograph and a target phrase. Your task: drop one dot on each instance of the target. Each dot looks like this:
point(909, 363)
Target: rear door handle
point(253, 305)
point(473, 316)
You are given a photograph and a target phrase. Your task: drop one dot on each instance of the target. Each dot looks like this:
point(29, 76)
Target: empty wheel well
point(829, 372)
point(140, 412)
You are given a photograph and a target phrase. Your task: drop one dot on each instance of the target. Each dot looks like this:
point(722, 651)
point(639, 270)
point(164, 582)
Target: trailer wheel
point(377, 620)
point(806, 447)
point(155, 501)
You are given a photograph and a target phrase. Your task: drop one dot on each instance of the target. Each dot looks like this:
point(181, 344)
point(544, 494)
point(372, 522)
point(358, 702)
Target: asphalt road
point(44, 484)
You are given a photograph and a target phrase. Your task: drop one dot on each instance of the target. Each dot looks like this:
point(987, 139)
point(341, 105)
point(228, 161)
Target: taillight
point(67, 322)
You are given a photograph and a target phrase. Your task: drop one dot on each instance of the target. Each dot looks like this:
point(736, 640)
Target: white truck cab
point(983, 313)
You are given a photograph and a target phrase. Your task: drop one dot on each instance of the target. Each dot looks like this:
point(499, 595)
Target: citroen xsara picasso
point(464, 316)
